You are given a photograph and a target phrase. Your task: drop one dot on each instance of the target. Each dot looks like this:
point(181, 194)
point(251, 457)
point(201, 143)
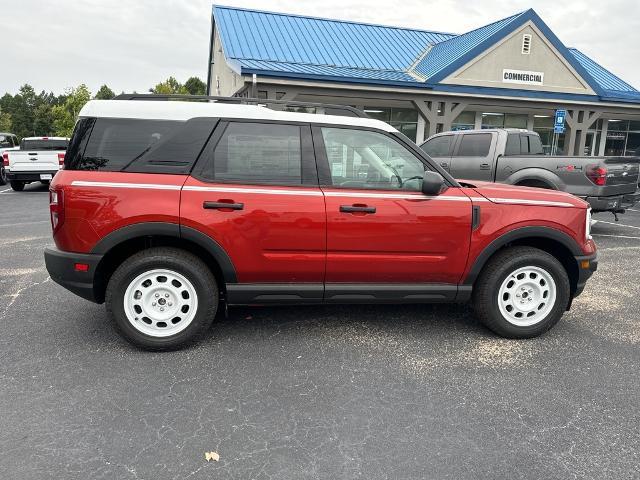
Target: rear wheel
point(17, 186)
point(522, 292)
point(162, 298)
point(3, 175)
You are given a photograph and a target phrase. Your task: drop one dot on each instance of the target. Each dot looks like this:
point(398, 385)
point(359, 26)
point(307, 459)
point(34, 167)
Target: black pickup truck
point(515, 157)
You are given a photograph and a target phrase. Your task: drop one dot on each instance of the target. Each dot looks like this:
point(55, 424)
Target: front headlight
point(587, 227)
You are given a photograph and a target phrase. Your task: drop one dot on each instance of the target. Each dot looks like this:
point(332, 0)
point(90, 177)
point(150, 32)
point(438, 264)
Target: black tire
point(486, 291)
point(184, 263)
point(3, 175)
point(17, 186)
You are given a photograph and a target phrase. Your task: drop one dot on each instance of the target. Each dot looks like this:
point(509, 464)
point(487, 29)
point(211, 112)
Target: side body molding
point(517, 234)
point(173, 230)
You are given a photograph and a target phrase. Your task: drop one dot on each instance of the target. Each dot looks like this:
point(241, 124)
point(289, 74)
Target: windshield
point(44, 144)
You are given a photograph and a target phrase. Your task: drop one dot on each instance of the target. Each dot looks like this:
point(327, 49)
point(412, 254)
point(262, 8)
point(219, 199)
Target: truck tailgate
point(34, 161)
point(623, 171)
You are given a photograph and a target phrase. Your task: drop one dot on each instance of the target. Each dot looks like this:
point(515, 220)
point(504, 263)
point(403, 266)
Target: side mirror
point(432, 183)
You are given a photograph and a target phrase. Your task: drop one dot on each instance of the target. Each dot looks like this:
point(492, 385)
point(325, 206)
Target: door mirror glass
point(432, 183)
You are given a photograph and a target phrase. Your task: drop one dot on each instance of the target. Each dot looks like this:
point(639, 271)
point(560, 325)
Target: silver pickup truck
point(515, 157)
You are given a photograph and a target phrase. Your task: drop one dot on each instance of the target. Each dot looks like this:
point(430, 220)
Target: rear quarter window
point(137, 145)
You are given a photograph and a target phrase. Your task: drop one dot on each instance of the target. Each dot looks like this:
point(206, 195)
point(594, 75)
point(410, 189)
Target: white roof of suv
point(176, 110)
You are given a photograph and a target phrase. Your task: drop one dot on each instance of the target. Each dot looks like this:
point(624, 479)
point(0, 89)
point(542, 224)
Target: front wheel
point(522, 292)
point(17, 186)
point(3, 175)
point(162, 298)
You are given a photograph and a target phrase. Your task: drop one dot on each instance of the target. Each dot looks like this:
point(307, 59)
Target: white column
point(603, 136)
point(530, 121)
point(420, 129)
point(478, 122)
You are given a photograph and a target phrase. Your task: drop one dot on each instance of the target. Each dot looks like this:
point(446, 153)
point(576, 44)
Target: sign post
point(558, 128)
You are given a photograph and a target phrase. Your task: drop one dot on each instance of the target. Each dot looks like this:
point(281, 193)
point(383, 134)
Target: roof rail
point(345, 109)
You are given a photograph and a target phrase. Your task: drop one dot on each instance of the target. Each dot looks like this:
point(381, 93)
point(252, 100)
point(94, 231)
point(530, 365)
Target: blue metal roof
point(607, 80)
point(302, 70)
point(276, 37)
point(448, 52)
point(294, 46)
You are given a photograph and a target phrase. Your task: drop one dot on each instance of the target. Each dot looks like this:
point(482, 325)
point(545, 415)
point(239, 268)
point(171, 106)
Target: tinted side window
point(513, 144)
point(117, 143)
point(475, 145)
point(524, 144)
point(78, 143)
point(136, 145)
point(258, 153)
point(438, 146)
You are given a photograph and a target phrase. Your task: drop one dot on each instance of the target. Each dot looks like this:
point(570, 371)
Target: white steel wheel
point(527, 296)
point(160, 303)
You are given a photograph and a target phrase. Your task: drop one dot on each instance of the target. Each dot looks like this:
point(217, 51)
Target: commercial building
point(514, 72)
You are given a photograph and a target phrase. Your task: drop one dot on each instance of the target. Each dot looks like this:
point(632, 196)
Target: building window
point(543, 126)
point(404, 119)
point(526, 44)
point(504, 120)
point(623, 138)
point(464, 121)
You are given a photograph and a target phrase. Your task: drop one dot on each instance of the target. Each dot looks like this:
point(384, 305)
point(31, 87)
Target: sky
point(133, 45)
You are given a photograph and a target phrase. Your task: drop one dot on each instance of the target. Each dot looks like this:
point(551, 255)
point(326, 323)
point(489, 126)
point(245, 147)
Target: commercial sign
point(522, 77)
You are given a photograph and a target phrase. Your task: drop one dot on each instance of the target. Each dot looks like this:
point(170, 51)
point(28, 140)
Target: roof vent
point(526, 44)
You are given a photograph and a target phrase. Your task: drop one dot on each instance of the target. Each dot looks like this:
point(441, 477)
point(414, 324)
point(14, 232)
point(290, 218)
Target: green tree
point(65, 114)
point(195, 86)
point(104, 93)
point(5, 121)
point(43, 120)
point(22, 110)
point(169, 86)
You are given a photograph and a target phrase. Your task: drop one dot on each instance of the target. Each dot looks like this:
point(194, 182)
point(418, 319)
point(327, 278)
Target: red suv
point(167, 209)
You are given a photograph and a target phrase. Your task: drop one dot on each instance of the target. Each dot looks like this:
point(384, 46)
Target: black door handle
point(357, 208)
point(485, 166)
point(222, 205)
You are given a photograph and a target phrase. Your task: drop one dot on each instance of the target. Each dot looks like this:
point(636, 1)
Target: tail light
point(56, 208)
point(61, 160)
point(5, 159)
point(597, 174)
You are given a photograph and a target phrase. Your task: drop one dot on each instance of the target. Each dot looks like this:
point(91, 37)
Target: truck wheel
point(17, 186)
point(3, 175)
point(162, 298)
point(521, 293)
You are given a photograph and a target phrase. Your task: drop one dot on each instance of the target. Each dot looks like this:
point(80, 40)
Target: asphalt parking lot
point(336, 392)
